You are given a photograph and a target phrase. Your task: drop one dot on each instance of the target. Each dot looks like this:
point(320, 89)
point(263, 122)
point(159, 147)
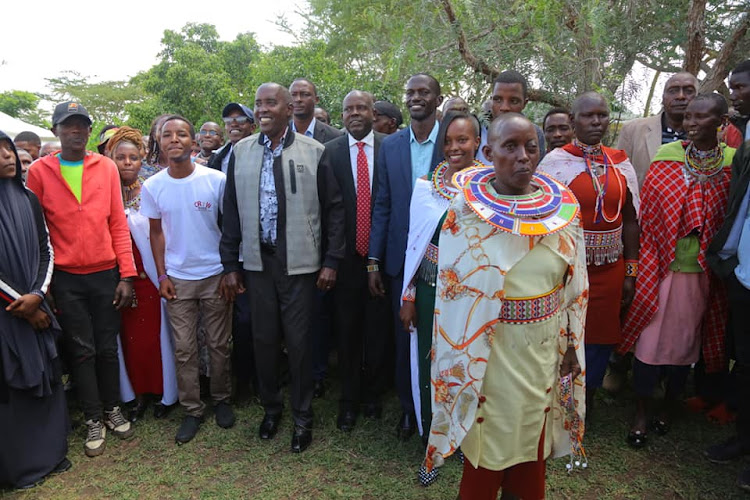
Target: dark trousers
point(243, 363)
point(281, 307)
point(738, 342)
point(321, 332)
point(645, 378)
point(90, 326)
point(363, 325)
point(403, 366)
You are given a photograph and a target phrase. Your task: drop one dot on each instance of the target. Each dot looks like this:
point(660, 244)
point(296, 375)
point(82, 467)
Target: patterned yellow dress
point(509, 302)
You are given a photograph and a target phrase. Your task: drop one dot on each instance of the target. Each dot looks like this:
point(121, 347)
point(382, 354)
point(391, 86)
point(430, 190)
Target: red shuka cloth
point(141, 347)
point(670, 210)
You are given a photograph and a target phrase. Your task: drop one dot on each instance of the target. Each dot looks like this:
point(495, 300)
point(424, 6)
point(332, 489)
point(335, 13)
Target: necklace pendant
point(702, 178)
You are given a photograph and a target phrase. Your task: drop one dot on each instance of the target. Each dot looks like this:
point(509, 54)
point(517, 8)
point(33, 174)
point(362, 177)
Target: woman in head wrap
point(145, 336)
point(33, 413)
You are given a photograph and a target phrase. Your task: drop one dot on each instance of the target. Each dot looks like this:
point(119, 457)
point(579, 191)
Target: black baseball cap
point(66, 109)
point(390, 110)
point(235, 106)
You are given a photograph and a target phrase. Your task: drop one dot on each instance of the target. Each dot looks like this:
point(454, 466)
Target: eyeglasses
point(239, 119)
point(212, 133)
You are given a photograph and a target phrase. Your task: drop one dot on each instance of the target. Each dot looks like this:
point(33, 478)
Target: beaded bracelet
point(410, 295)
point(631, 268)
point(162, 278)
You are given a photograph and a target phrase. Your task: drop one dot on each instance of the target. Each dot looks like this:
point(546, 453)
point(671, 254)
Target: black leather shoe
point(188, 429)
point(319, 389)
point(269, 426)
point(406, 426)
point(137, 412)
point(726, 452)
point(372, 410)
point(301, 439)
point(224, 415)
point(161, 411)
point(346, 420)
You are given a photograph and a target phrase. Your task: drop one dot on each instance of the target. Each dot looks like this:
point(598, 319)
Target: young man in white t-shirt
point(183, 204)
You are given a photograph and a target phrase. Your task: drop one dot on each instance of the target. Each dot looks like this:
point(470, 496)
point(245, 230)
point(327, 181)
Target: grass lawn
point(370, 463)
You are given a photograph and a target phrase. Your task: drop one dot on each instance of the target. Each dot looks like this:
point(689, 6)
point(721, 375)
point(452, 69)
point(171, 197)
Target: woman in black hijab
point(33, 413)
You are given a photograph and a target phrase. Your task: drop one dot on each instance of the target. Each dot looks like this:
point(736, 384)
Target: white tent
point(12, 127)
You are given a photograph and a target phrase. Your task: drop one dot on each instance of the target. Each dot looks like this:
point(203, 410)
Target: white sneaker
point(94, 444)
point(118, 424)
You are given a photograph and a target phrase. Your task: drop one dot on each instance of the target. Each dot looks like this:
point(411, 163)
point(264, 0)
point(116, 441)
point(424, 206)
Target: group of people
point(495, 271)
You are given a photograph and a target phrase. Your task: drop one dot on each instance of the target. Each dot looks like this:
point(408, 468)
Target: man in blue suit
point(403, 158)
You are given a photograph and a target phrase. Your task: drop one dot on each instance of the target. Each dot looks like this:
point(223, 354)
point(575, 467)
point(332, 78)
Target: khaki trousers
point(194, 297)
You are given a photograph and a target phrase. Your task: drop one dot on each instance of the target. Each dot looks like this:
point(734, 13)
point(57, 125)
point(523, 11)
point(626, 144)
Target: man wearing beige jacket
point(640, 138)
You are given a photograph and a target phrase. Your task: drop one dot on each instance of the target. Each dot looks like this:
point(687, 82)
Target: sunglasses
point(239, 119)
point(212, 133)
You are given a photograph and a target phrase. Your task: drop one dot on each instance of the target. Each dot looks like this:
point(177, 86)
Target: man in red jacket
point(80, 194)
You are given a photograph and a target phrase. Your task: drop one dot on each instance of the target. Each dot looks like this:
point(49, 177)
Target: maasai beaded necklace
point(549, 208)
point(440, 184)
point(703, 165)
point(600, 188)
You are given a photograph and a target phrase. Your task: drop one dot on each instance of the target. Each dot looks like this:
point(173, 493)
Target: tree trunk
point(696, 38)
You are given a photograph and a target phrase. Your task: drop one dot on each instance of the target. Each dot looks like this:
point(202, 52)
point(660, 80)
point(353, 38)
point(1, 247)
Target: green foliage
point(22, 105)
point(311, 60)
point(197, 75)
point(564, 48)
point(105, 101)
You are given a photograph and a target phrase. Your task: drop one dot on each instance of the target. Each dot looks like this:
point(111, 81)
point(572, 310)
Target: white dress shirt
point(369, 141)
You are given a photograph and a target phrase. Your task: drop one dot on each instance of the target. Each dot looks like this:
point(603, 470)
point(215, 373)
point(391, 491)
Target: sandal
point(637, 439)
point(661, 427)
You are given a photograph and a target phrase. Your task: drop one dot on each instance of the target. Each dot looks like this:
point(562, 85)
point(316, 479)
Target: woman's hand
point(408, 315)
point(570, 364)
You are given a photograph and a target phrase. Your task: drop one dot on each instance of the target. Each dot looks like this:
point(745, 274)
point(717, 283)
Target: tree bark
point(696, 36)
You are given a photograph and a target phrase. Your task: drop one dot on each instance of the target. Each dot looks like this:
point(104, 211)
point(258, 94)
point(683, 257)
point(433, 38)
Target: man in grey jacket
point(287, 212)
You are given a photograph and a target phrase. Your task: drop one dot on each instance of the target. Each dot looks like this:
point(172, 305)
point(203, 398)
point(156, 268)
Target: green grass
point(371, 464)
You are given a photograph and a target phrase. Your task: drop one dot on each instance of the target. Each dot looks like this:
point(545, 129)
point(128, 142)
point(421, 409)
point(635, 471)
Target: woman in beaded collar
point(678, 314)
point(507, 352)
point(606, 185)
point(459, 139)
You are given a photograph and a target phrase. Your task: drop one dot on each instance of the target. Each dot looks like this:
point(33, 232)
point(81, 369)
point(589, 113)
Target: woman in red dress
point(606, 186)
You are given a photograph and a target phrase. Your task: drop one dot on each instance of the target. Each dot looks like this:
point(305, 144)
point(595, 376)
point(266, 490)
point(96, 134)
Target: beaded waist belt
point(603, 247)
point(427, 271)
point(531, 309)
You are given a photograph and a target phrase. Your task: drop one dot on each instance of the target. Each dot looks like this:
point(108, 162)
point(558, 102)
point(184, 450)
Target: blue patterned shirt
point(269, 202)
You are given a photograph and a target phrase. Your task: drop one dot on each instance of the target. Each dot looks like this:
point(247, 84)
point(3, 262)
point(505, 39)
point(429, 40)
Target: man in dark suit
point(304, 99)
point(361, 319)
point(403, 158)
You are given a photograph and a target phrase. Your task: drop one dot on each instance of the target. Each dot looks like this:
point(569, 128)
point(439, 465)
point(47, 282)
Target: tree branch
point(715, 78)
point(478, 65)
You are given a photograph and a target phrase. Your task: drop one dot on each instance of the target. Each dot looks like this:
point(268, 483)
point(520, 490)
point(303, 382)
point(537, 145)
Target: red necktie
point(363, 202)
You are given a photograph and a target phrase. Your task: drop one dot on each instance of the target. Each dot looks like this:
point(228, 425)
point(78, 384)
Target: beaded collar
point(440, 184)
point(549, 208)
point(703, 165)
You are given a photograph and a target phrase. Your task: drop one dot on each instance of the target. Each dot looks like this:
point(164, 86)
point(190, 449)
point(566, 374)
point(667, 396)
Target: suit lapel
point(405, 160)
point(653, 139)
point(375, 167)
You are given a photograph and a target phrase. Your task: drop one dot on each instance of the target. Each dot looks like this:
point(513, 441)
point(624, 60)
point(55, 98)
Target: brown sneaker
point(118, 424)
point(94, 444)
